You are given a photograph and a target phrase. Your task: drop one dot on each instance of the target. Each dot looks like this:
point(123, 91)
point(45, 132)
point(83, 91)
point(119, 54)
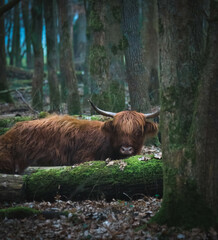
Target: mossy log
point(25, 212)
point(20, 73)
point(119, 179)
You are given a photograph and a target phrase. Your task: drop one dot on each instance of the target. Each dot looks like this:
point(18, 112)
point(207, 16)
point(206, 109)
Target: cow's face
point(127, 132)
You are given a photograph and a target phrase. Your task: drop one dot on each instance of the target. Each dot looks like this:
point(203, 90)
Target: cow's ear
point(151, 128)
point(108, 126)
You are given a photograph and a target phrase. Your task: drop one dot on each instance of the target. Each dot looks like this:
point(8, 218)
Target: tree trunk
point(189, 132)
point(150, 47)
point(137, 76)
point(91, 180)
point(5, 97)
point(51, 39)
point(16, 48)
point(116, 75)
point(98, 55)
point(206, 119)
point(37, 82)
point(68, 74)
point(27, 27)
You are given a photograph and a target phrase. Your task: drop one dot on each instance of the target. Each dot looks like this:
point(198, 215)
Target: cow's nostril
point(126, 150)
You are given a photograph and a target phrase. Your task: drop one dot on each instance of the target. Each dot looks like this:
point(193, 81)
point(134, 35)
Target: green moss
point(43, 114)
point(3, 130)
point(123, 44)
point(117, 13)
point(17, 212)
point(7, 123)
point(95, 24)
point(98, 60)
point(94, 179)
point(182, 205)
point(4, 122)
point(114, 49)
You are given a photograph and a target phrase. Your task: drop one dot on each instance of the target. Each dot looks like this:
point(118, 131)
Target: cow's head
point(128, 130)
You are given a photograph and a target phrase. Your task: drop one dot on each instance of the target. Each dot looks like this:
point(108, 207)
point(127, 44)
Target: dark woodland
point(86, 82)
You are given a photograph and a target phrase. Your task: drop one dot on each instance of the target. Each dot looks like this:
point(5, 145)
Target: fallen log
point(119, 179)
point(19, 73)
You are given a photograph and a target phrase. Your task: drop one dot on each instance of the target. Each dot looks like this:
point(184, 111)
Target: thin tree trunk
point(27, 25)
point(98, 56)
point(51, 39)
point(68, 73)
point(150, 48)
point(5, 97)
point(37, 82)
point(16, 48)
point(137, 76)
point(113, 37)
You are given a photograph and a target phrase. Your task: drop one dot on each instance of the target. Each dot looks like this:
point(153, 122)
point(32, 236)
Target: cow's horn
point(153, 114)
point(102, 112)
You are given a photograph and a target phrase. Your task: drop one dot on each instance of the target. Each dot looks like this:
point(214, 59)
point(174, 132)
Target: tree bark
point(116, 74)
point(68, 74)
point(6, 97)
point(150, 48)
point(37, 82)
point(137, 76)
point(206, 118)
point(51, 39)
point(16, 48)
point(189, 133)
point(27, 27)
point(91, 180)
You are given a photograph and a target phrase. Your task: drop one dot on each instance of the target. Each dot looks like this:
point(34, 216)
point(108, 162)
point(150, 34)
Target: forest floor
point(96, 220)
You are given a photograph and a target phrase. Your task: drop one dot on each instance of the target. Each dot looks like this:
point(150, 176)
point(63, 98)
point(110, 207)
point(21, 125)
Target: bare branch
point(22, 98)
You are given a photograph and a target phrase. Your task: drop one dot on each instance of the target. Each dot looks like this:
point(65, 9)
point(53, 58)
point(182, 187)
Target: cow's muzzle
point(124, 150)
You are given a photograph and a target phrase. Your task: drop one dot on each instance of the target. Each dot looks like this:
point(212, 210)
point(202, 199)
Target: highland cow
point(64, 140)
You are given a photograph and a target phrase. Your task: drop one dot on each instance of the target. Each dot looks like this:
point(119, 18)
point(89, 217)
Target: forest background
point(75, 50)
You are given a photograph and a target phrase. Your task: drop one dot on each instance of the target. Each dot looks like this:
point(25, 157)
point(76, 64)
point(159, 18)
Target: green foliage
point(95, 179)
point(95, 24)
point(17, 212)
point(98, 60)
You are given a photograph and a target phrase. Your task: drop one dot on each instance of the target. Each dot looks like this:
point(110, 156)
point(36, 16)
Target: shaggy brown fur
point(63, 140)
